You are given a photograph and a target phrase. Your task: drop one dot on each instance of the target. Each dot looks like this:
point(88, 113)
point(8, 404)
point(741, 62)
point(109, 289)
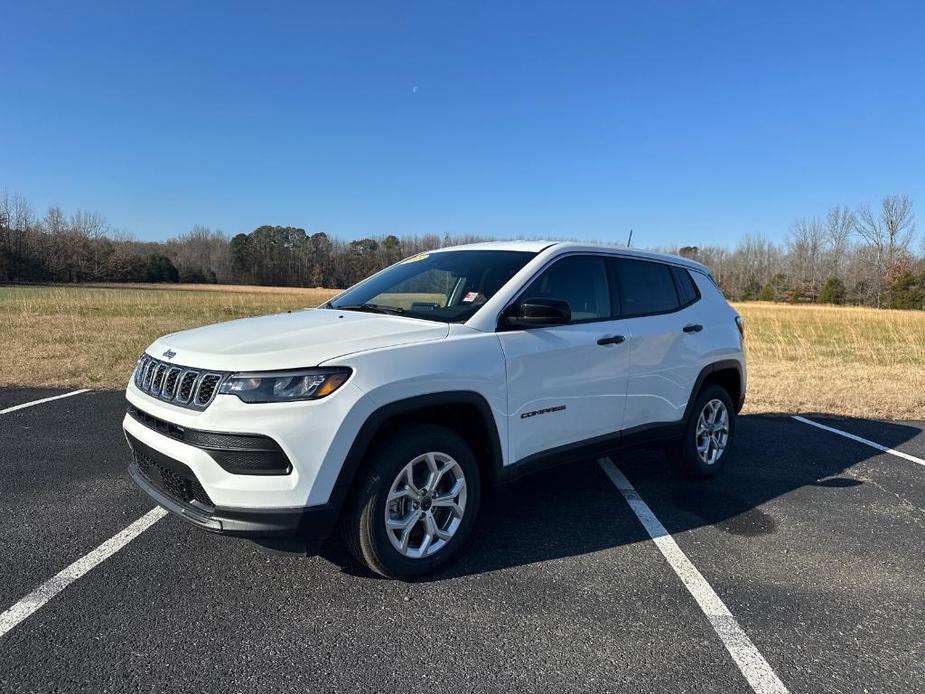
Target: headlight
point(285, 386)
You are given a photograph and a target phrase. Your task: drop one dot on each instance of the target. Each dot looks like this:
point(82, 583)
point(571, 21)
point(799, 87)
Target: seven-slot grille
point(179, 385)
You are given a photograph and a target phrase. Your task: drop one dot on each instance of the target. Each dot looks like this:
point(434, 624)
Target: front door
point(563, 386)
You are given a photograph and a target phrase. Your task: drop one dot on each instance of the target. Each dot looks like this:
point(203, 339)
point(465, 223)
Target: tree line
point(865, 255)
point(83, 247)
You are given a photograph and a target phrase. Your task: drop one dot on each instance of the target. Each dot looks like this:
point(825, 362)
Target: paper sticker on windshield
point(416, 258)
point(470, 297)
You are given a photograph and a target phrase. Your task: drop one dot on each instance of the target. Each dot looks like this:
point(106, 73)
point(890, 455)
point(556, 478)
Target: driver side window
point(579, 280)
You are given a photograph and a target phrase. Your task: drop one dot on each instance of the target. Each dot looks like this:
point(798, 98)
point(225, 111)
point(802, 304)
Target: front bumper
point(309, 523)
point(314, 436)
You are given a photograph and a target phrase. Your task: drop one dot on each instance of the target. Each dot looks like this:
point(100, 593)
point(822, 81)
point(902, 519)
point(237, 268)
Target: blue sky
point(690, 122)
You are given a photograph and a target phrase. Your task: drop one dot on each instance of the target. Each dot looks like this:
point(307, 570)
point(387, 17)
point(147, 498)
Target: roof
point(568, 246)
point(527, 246)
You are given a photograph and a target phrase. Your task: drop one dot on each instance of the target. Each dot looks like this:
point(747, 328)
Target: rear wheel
point(415, 503)
point(708, 435)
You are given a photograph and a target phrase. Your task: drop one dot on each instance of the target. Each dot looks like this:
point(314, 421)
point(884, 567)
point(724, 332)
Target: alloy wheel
point(712, 434)
point(425, 505)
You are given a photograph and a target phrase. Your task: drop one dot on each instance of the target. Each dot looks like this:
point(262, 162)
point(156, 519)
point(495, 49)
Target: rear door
point(563, 386)
point(661, 306)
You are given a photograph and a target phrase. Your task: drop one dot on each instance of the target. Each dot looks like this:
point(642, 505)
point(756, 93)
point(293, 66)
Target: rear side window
point(687, 290)
point(645, 287)
point(579, 280)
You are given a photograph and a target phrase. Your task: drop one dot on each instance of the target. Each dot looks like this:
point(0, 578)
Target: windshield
point(448, 286)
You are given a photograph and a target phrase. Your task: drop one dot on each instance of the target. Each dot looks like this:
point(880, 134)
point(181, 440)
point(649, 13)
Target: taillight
point(740, 324)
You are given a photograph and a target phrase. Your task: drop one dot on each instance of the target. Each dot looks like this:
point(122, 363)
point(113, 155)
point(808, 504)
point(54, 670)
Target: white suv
point(387, 412)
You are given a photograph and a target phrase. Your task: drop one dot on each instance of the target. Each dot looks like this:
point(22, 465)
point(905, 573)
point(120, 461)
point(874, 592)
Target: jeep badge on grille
point(170, 354)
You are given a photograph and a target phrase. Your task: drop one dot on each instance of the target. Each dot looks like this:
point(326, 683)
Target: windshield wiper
point(371, 308)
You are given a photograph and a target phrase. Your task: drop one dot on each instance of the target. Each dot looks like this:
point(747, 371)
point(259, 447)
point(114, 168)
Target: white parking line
point(746, 655)
point(866, 442)
point(45, 592)
point(39, 402)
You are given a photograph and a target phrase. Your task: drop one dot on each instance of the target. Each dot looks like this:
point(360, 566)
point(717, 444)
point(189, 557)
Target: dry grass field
point(91, 336)
point(862, 362)
point(853, 361)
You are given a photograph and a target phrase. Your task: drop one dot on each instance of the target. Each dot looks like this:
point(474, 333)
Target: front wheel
point(415, 504)
point(708, 435)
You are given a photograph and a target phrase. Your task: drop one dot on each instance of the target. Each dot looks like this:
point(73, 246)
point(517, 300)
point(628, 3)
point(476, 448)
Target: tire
point(709, 457)
point(423, 449)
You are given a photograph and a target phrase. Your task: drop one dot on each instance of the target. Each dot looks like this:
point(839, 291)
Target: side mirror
point(537, 313)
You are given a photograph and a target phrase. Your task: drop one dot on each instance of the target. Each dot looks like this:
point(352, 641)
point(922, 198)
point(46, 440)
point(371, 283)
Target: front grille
point(187, 385)
point(182, 486)
point(192, 388)
point(158, 379)
point(170, 381)
point(207, 387)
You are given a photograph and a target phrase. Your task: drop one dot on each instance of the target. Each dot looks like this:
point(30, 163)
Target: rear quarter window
point(687, 290)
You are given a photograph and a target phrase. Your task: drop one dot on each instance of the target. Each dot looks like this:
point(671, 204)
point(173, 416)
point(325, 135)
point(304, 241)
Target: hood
point(291, 340)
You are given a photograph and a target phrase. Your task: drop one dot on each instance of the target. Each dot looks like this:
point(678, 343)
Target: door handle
point(611, 340)
point(693, 328)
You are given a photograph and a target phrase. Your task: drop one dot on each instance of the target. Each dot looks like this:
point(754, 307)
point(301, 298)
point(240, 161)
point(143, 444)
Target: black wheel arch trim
point(380, 417)
point(738, 399)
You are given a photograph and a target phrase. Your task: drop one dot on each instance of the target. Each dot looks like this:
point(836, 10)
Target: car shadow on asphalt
point(575, 509)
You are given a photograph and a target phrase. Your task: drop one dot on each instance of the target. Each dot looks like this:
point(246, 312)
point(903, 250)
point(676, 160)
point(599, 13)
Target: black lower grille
point(183, 487)
point(158, 425)
point(239, 454)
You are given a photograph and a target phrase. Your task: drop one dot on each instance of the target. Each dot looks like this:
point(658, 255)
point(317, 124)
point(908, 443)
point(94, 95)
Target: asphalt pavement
point(815, 543)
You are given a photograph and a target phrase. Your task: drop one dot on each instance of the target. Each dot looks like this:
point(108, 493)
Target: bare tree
point(58, 243)
point(899, 224)
point(17, 212)
point(870, 229)
point(839, 226)
point(201, 254)
point(55, 221)
point(16, 220)
point(888, 234)
point(91, 229)
point(90, 225)
point(806, 245)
